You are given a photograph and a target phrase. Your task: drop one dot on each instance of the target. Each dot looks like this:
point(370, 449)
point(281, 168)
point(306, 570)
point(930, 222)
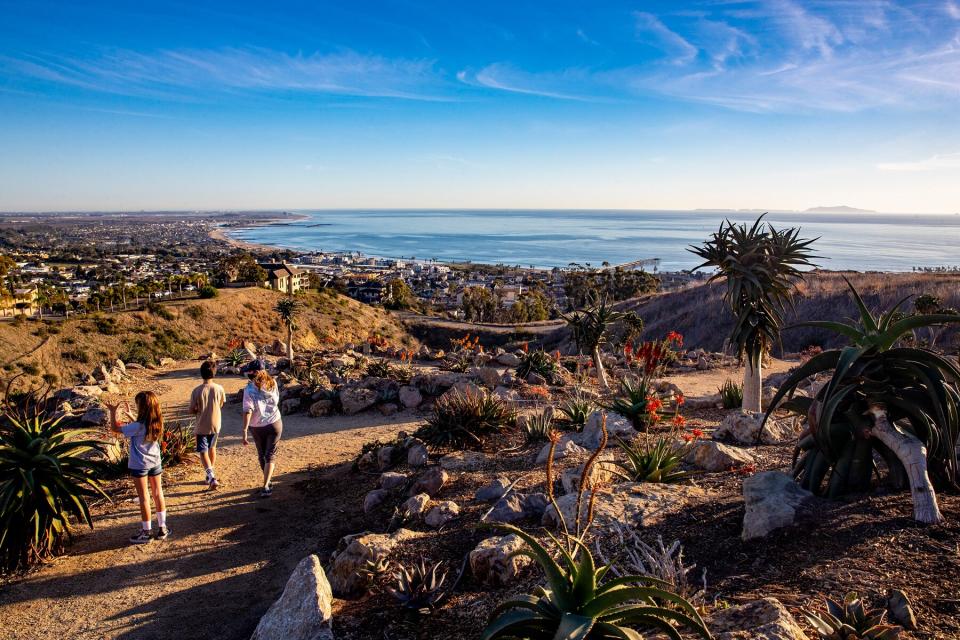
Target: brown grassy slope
point(701, 316)
point(197, 326)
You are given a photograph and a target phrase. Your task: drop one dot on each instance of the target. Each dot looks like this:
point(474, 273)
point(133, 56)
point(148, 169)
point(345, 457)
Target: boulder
point(702, 402)
point(102, 374)
point(463, 461)
point(772, 500)
point(430, 481)
point(508, 360)
point(305, 609)
point(417, 455)
point(565, 448)
point(409, 396)
point(534, 504)
point(463, 388)
point(743, 428)
point(290, 405)
point(374, 499)
point(321, 407)
point(617, 426)
point(899, 609)
point(356, 399)
point(536, 379)
point(493, 490)
point(354, 552)
point(441, 514)
point(508, 509)
point(494, 562)
point(711, 455)
point(765, 619)
point(506, 394)
point(166, 362)
point(392, 480)
point(388, 408)
point(489, 376)
point(82, 391)
point(415, 506)
point(638, 504)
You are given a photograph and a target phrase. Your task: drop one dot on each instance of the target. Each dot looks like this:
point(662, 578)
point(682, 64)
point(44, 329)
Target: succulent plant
point(418, 587)
point(851, 620)
point(539, 362)
point(539, 426)
point(656, 462)
point(731, 394)
point(577, 408)
point(462, 420)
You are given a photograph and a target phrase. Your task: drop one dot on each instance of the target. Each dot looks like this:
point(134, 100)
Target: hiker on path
point(261, 416)
point(145, 434)
point(206, 402)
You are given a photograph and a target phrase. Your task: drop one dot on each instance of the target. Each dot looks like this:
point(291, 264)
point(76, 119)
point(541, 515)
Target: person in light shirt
point(206, 401)
point(261, 418)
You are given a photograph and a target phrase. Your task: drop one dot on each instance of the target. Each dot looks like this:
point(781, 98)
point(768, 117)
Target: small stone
point(441, 514)
point(772, 500)
point(430, 481)
point(385, 457)
point(534, 504)
point(899, 609)
point(494, 562)
point(392, 480)
point(321, 407)
point(494, 490)
point(415, 506)
point(765, 619)
point(508, 509)
point(410, 397)
point(417, 455)
point(565, 448)
point(536, 379)
point(508, 360)
point(374, 499)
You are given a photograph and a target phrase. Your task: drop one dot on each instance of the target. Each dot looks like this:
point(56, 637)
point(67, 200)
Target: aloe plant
point(901, 402)
point(578, 604)
point(760, 266)
point(418, 587)
point(851, 621)
point(659, 462)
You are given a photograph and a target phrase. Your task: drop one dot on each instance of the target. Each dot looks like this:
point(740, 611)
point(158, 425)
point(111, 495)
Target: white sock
point(146, 524)
point(209, 472)
point(162, 519)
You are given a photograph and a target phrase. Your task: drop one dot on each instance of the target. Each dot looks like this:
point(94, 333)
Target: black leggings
point(266, 439)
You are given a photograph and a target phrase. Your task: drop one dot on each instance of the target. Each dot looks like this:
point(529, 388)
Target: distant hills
point(838, 209)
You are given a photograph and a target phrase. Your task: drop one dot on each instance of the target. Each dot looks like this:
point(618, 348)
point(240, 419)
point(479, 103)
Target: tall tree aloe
point(288, 308)
point(901, 402)
point(760, 266)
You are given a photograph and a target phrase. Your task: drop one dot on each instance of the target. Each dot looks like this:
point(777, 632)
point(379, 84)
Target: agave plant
point(731, 394)
point(851, 621)
point(537, 361)
point(539, 426)
point(657, 462)
point(462, 420)
point(638, 403)
point(577, 603)
point(577, 408)
point(760, 265)
point(901, 402)
point(418, 587)
point(46, 475)
point(236, 358)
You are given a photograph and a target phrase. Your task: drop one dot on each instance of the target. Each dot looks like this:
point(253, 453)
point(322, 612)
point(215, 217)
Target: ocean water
point(543, 238)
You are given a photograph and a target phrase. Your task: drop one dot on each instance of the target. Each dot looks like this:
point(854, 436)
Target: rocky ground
point(231, 553)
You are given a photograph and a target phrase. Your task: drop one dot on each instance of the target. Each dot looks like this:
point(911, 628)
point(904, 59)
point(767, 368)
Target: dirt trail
point(230, 552)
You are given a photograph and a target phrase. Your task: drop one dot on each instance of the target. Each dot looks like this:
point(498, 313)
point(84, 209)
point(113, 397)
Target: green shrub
point(236, 358)
point(46, 475)
point(138, 351)
point(175, 445)
point(77, 355)
point(208, 291)
point(194, 311)
point(731, 394)
point(159, 310)
point(462, 420)
point(106, 325)
point(30, 368)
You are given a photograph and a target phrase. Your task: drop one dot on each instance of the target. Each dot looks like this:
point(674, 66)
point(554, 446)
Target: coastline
point(219, 233)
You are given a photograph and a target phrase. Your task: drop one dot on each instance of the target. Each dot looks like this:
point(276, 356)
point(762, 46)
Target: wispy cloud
point(505, 77)
point(952, 9)
point(651, 29)
point(185, 73)
point(950, 161)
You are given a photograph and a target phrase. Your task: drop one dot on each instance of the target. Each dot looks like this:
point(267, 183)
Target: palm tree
point(760, 266)
point(589, 328)
point(901, 402)
point(288, 308)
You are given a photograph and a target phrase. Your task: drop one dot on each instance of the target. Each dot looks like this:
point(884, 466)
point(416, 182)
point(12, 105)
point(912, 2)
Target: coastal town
point(104, 262)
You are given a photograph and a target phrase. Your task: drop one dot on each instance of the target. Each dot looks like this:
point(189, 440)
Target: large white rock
point(508, 359)
point(305, 609)
point(711, 455)
point(494, 561)
point(743, 427)
point(772, 499)
point(765, 619)
point(638, 504)
point(617, 427)
point(356, 399)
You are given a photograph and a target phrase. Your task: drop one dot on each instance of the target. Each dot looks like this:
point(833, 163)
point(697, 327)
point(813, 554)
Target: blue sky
point(649, 105)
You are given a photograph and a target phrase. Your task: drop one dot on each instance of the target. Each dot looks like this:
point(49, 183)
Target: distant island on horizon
point(838, 209)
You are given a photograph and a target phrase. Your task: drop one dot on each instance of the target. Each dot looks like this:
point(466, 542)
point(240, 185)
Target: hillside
point(701, 316)
point(184, 329)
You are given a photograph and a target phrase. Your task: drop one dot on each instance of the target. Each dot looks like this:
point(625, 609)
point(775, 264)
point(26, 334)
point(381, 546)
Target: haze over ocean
point(552, 238)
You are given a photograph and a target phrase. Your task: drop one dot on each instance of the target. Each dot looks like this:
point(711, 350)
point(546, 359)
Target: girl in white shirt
point(261, 416)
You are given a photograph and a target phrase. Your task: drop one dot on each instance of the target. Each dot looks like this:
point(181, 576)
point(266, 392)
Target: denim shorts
point(143, 473)
point(206, 441)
